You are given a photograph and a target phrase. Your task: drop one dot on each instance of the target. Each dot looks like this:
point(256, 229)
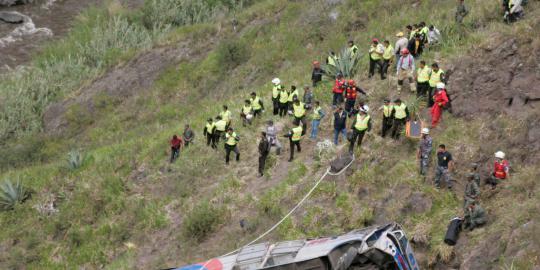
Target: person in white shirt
point(434, 35)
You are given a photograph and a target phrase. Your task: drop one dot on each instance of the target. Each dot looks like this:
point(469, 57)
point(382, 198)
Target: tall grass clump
point(202, 220)
point(12, 194)
point(75, 159)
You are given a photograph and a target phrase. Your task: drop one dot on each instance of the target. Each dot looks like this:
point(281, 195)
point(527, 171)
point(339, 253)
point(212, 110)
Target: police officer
point(275, 94)
point(295, 136)
point(361, 124)
point(271, 135)
point(256, 104)
point(424, 151)
point(231, 141)
point(299, 113)
point(208, 132)
point(387, 119)
point(444, 166)
point(264, 150)
point(400, 115)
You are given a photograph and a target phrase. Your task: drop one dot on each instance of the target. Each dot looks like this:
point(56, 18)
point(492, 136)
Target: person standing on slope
point(176, 144)
point(405, 70)
point(440, 99)
point(188, 135)
point(264, 150)
point(387, 120)
point(271, 135)
point(400, 115)
point(340, 124)
point(295, 136)
point(337, 90)
point(388, 57)
point(376, 52)
point(316, 116)
point(276, 89)
point(208, 132)
point(316, 74)
point(231, 145)
point(424, 151)
point(360, 125)
point(256, 104)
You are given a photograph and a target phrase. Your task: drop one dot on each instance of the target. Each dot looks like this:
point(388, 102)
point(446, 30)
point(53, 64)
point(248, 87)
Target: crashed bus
point(377, 247)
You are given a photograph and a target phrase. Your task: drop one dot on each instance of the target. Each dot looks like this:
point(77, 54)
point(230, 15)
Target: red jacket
point(175, 143)
point(351, 93)
point(500, 169)
point(440, 98)
point(338, 86)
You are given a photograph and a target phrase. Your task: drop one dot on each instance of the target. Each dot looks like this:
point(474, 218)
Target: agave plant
point(12, 194)
point(346, 64)
point(415, 104)
point(75, 159)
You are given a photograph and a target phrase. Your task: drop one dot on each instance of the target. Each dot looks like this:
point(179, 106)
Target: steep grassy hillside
point(114, 107)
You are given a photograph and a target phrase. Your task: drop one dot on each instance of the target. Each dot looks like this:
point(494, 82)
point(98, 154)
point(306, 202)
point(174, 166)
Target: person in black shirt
point(317, 73)
point(264, 149)
point(444, 166)
point(340, 124)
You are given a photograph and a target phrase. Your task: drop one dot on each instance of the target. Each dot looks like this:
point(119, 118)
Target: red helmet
point(405, 51)
point(316, 63)
point(351, 82)
point(375, 40)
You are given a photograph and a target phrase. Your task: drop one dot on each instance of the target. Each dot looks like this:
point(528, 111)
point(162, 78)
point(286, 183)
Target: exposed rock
point(12, 17)
point(485, 255)
point(418, 203)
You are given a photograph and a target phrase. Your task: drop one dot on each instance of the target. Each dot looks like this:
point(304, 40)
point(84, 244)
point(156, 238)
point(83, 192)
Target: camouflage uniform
point(426, 144)
point(475, 175)
point(474, 217)
point(472, 191)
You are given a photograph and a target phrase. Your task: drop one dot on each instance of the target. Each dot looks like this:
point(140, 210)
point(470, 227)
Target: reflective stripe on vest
point(388, 52)
point(361, 122)
point(435, 78)
point(275, 90)
point(230, 139)
point(400, 111)
point(226, 115)
point(221, 125)
point(209, 127)
point(296, 134)
point(316, 114)
point(423, 74)
point(387, 110)
point(256, 103)
point(291, 95)
point(246, 109)
point(299, 110)
point(283, 97)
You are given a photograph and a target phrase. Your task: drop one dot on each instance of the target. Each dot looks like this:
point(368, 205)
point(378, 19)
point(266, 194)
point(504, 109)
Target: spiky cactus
point(12, 194)
point(346, 64)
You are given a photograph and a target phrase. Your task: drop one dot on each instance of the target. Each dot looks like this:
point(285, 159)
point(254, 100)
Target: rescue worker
point(461, 11)
point(387, 56)
point(401, 44)
point(246, 113)
point(474, 217)
point(271, 135)
point(276, 89)
point(295, 136)
point(414, 30)
point(231, 145)
point(444, 166)
point(256, 104)
point(400, 116)
point(293, 94)
point(264, 150)
point(208, 132)
point(422, 80)
point(308, 97)
point(176, 144)
point(434, 36)
point(376, 52)
point(316, 74)
point(226, 115)
point(188, 135)
point(474, 172)
point(353, 49)
point(440, 100)
point(350, 96)
point(219, 131)
point(472, 191)
point(387, 120)
point(424, 30)
point(337, 90)
point(361, 124)
point(332, 59)
point(316, 116)
point(283, 102)
point(435, 76)
point(405, 70)
point(424, 151)
point(501, 170)
point(299, 113)
point(416, 46)
point(340, 124)
point(513, 11)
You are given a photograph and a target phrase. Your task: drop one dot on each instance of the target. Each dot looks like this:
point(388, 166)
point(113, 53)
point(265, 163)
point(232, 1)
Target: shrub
point(231, 53)
point(12, 194)
point(202, 220)
point(75, 159)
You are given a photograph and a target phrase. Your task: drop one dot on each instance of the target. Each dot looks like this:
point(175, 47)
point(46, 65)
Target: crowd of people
point(425, 81)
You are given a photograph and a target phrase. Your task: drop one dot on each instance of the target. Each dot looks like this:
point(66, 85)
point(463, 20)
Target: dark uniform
point(264, 149)
point(475, 216)
point(443, 159)
point(472, 191)
point(425, 148)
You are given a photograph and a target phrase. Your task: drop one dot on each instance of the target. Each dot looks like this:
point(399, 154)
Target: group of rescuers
point(427, 82)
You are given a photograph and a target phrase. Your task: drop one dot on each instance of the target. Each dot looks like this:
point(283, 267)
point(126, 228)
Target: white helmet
point(364, 108)
point(440, 85)
point(425, 131)
point(249, 116)
point(499, 154)
point(276, 81)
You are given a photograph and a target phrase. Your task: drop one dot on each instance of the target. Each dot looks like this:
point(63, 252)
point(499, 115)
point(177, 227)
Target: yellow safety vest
point(296, 134)
point(230, 139)
point(435, 78)
point(373, 53)
point(246, 109)
point(221, 125)
point(387, 110)
point(332, 60)
point(275, 90)
point(423, 74)
point(291, 95)
point(283, 96)
point(316, 114)
point(413, 32)
point(388, 52)
point(424, 30)
point(210, 127)
point(226, 115)
point(299, 110)
point(256, 103)
point(400, 111)
point(361, 122)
